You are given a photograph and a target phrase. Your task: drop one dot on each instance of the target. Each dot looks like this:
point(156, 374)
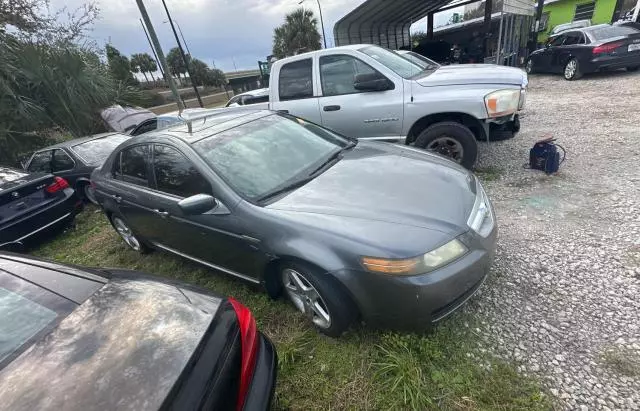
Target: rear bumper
point(263, 383)
point(49, 218)
point(612, 62)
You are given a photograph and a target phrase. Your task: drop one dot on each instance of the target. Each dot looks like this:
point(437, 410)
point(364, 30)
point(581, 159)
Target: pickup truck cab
point(369, 92)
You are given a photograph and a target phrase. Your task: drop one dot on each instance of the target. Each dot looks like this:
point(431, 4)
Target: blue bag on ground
point(544, 156)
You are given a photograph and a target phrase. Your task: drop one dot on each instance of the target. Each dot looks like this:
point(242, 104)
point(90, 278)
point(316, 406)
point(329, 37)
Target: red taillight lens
point(249, 347)
point(607, 48)
point(58, 184)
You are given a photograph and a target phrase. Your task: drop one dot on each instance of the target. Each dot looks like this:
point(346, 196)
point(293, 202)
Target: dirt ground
point(564, 297)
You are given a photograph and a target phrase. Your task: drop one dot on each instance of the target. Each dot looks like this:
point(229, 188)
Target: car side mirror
point(372, 82)
point(546, 46)
point(197, 204)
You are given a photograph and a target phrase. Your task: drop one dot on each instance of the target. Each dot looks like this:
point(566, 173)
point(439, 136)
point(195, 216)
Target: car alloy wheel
point(448, 147)
point(571, 69)
point(529, 67)
point(306, 298)
point(126, 234)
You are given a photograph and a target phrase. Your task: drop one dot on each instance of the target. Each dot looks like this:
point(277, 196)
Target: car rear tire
point(320, 297)
point(572, 70)
point(633, 68)
point(452, 140)
point(122, 228)
point(87, 193)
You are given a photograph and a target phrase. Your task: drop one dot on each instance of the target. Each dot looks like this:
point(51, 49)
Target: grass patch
point(365, 369)
point(622, 361)
point(489, 173)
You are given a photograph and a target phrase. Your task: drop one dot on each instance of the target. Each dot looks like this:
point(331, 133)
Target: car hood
point(393, 184)
point(124, 347)
point(456, 74)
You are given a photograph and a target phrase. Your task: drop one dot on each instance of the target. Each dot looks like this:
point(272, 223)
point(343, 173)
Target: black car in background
point(31, 204)
point(587, 50)
point(74, 160)
point(86, 339)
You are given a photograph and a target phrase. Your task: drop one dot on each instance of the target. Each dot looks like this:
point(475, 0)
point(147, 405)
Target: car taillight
point(58, 184)
point(607, 48)
point(249, 348)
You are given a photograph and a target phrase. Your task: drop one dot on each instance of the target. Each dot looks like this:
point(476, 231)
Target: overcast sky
point(224, 31)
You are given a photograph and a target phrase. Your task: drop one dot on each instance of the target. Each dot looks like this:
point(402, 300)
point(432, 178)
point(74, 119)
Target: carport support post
point(163, 61)
point(488, 10)
point(430, 26)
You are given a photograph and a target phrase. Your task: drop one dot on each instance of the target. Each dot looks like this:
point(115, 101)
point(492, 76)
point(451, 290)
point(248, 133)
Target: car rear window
point(9, 174)
point(97, 151)
point(606, 32)
point(28, 312)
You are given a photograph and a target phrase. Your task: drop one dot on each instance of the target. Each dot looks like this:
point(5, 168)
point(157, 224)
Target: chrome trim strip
point(38, 230)
point(216, 267)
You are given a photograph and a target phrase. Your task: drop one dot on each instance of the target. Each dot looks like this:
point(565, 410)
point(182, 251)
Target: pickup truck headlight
point(502, 102)
point(425, 263)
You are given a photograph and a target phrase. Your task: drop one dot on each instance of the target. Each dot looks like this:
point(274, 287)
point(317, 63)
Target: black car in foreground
point(339, 226)
point(86, 339)
point(74, 160)
point(31, 204)
point(587, 50)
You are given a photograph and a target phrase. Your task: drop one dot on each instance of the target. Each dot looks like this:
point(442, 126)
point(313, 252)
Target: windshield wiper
point(332, 158)
point(291, 186)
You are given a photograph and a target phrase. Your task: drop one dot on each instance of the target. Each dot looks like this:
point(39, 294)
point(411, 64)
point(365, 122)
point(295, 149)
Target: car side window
point(133, 165)
point(571, 39)
point(176, 175)
point(41, 162)
point(338, 73)
point(145, 126)
point(558, 41)
point(296, 80)
point(61, 161)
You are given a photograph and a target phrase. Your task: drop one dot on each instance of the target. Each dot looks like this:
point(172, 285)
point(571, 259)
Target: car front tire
point(452, 140)
point(572, 70)
point(529, 66)
point(320, 297)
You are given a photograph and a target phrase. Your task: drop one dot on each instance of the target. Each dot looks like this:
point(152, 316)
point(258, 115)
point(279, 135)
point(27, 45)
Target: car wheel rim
point(306, 298)
point(529, 66)
point(448, 147)
point(126, 234)
point(570, 70)
point(88, 193)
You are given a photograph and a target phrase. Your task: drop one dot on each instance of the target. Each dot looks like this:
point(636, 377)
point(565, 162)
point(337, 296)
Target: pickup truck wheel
point(452, 140)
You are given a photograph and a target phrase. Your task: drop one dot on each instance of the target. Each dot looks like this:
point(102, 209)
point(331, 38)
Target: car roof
point(76, 141)
point(209, 124)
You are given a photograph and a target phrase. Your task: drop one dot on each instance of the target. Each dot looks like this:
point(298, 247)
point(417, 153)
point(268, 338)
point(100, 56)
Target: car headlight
point(425, 263)
point(502, 102)
point(481, 218)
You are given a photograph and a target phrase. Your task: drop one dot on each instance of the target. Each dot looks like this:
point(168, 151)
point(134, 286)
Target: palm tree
point(299, 33)
point(149, 65)
point(137, 65)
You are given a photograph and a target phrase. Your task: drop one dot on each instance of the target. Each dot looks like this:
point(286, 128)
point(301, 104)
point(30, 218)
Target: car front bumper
point(417, 301)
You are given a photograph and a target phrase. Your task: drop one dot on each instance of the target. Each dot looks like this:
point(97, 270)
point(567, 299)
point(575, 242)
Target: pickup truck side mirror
point(372, 82)
point(197, 204)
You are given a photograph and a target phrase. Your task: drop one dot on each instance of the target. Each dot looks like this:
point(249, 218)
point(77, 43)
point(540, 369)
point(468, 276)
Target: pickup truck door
point(356, 113)
point(295, 91)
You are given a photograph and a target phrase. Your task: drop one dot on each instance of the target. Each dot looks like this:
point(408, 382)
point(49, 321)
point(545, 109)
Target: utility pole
point(324, 38)
point(153, 50)
point(184, 57)
point(534, 36)
point(163, 61)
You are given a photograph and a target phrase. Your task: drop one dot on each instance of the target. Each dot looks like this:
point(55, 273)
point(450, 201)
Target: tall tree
point(205, 76)
point(149, 65)
point(175, 62)
point(137, 65)
point(119, 65)
point(298, 33)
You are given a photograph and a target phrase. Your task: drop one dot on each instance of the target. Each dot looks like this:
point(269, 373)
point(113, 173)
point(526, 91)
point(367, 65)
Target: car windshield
point(606, 32)
point(97, 151)
point(9, 174)
point(26, 311)
point(423, 62)
point(272, 152)
point(393, 61)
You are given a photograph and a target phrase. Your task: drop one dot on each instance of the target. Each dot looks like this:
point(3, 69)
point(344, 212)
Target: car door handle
point(283, 111)
point(331, 108)
point(161, 213)
point(117, 198)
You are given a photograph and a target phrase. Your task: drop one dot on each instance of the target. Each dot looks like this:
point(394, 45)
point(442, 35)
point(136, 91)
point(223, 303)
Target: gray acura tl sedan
point(347, 230)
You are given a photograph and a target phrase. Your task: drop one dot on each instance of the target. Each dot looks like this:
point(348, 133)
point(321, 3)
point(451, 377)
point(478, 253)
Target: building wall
point(563, 11)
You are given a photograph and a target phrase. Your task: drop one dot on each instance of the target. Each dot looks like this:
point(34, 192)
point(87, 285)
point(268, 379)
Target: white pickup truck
point(369, 92)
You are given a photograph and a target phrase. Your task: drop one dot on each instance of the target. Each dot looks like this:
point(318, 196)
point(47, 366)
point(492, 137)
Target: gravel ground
point(564, 297)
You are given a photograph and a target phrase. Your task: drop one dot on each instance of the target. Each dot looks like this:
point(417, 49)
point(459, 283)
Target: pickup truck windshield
point(270, 153)
point(400, 65)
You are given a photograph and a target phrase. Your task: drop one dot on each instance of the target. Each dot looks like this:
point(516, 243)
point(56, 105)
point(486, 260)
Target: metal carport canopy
point(386, 22)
